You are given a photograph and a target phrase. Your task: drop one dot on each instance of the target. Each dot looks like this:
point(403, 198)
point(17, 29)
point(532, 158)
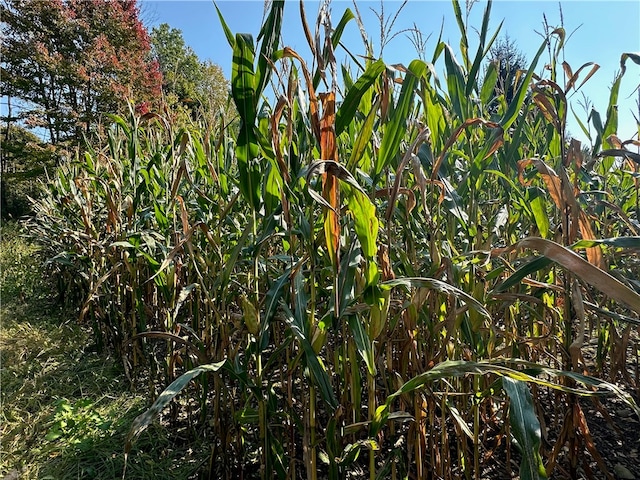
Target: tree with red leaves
point(66, 63)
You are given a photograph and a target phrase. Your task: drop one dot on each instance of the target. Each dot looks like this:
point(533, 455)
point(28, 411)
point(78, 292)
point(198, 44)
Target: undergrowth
point(66, 409)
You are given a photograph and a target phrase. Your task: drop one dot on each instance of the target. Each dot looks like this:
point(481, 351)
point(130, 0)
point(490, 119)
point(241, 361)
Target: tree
point(67, 62)
point(180, 66)
point(24, 159)
point(199, 86)
point(212, 93)
point(509, 60)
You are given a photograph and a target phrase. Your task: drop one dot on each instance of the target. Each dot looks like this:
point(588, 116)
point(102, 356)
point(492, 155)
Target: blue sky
point(600, 32)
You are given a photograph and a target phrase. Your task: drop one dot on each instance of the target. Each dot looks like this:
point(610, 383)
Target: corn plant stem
point(343, 365)
point(312, 473)
point(262, 415)
point(392, 426)
point(446, 459)
point(265, 469)
point(435, 458)
point(353, 378)
point(461, 441)
point(289, 354)
point(305, 437)
point(507, 436)
point(417, 408)
point(310, 440)
point(476, 428)
point(134, 301)
point(371, 381)
point(292, 430)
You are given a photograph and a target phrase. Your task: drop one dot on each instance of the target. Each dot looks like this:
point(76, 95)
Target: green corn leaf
point(440, 130)
point(351, 451)
point(363, 139)
point(455, 83)
point(243, 78)
point(366, 227)
point(225, 28)
point(488, 86)
point(438, 50)
point(161, 217)
point(514, 188)
point(348, 108)
point(611, 124)
point(459, 368)
point(590, 382)
point(618, 242)
point(596, 120)
point(223, 280)
point(538, 207)
point(123, 244)
point(492, 40)
point(473, 73)
point(272, 187)
point(347, 16)
point(247, 416)
point(525, 428)
point(122, 123)
point(347, 277)
point(446, 369)
point(145, 419)
point(527, 269)
point(514, 147)
point(464, 43)
point(272, 299)
point(514, 107)
point(244, 96)
point(275, 293)
point(462, 424)
point(346, 77)
point(620, 152)
point(610, 314)
point(279, 458)
point(573, 262)
point(314, 362)
point(439, 286)
point(581, 124)
point(396, 128)
point(363, 344)
point(484, 157)
point(270, 36)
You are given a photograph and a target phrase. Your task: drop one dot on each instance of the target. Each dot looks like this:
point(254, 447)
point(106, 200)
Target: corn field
point(372, 270)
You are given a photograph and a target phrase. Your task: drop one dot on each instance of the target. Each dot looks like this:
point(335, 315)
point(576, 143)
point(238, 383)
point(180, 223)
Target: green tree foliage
point(178, 63)
point(186, 81)
point(68, 62)
point(212, 93)
point(24, 159)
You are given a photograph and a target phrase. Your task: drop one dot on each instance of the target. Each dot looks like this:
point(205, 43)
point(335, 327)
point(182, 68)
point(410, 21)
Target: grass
point(67, 409)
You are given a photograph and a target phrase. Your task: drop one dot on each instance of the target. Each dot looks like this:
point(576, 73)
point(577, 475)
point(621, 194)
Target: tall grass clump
point(396, 280)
